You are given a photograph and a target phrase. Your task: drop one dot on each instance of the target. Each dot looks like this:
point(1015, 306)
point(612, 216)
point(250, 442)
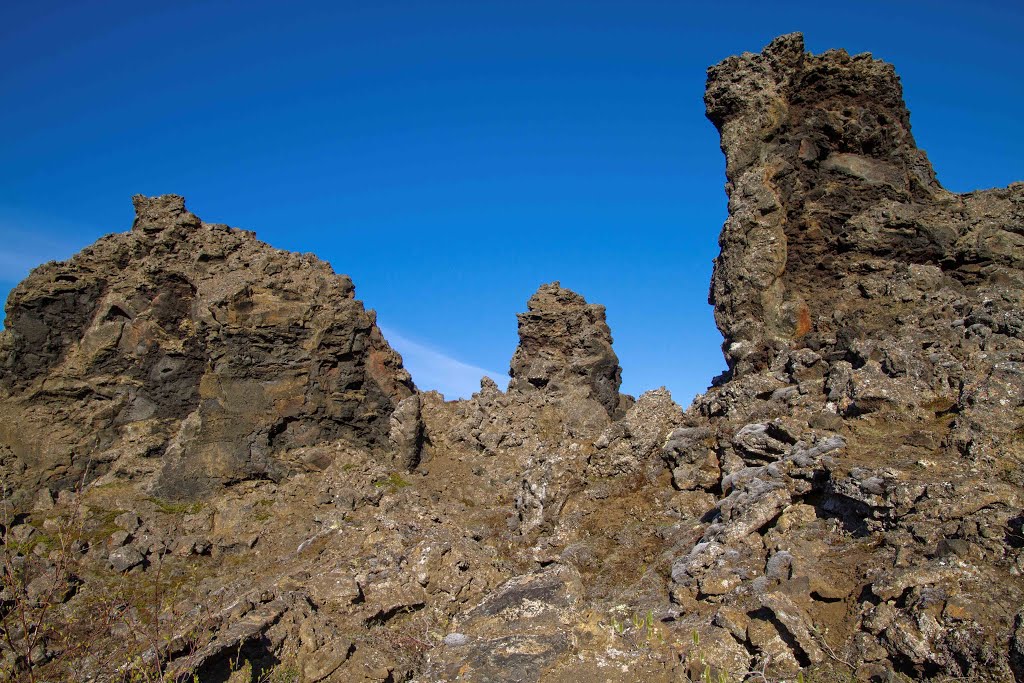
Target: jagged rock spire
point(153, 214)
point(565, 346)
point(815, 146)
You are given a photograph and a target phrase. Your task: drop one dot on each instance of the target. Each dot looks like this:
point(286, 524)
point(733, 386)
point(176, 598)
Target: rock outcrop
point(832, 208)
point(565, 347)
point(193, 415)
point(874, 336)
point(187, 352)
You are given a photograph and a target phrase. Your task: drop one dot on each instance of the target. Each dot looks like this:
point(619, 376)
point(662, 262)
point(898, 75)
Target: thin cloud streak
point(432, 369)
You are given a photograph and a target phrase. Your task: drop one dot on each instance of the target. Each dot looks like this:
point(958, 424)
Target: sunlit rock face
point(565, 347)
point(189, 351)
point(875, 340)
point(837, 226)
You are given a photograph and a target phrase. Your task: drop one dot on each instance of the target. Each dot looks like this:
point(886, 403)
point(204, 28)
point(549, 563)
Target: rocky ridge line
point(846, 503)
point(190, 355)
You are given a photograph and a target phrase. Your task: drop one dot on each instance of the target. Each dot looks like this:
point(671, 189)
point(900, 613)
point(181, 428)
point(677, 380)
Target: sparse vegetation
point(393, 482)
point(169, 507)
point(263, 510)
point(846, 497)
point(62, 617)
point(638, 630)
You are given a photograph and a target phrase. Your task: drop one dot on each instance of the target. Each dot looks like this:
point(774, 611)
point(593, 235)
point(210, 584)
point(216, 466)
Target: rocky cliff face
point(190, 355)
point(829, 199)
point(874, 334)
point(845, 504)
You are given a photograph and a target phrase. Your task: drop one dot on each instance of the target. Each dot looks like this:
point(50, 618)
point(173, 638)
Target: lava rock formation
point(214, 465)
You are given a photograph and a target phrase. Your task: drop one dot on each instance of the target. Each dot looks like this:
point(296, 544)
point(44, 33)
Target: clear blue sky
point(452, 156)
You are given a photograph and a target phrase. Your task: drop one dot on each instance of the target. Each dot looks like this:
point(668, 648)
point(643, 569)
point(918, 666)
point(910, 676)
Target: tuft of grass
point(263, 509)
point(640, 628)
point(393, 482)
point(99, 524)
point(172, 508)
point(282, 673)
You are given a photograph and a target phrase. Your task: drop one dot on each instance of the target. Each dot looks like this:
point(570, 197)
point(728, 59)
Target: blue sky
point(452, 156)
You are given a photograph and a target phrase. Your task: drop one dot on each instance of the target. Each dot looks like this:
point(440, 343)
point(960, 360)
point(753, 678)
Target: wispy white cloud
point(22, 250)
point(433, 369)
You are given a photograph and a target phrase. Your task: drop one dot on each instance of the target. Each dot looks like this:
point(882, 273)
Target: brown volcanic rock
point(868, 431)
point(565, 346)
point(190, 350)
point(828, 194)
point(847, 501)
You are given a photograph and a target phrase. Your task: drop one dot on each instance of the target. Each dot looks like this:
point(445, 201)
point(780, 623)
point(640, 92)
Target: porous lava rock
point(868, 429)
point(837, 225)
point(188, 351)
point(565, 347)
